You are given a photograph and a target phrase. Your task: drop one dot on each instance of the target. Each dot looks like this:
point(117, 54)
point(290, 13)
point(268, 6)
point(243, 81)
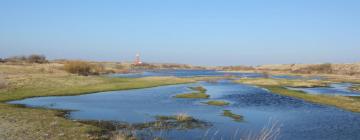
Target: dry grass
point(182, 117)
point(83, 68)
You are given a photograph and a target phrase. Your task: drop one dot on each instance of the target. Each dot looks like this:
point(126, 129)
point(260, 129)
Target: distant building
point(138, 59)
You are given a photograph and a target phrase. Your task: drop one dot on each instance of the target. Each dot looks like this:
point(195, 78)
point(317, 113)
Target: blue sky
point(201, 32)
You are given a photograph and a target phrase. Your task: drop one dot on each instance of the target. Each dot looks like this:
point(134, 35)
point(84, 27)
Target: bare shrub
point(238, 68)
point(83, 68)
point(321, 68)
point(34, 58)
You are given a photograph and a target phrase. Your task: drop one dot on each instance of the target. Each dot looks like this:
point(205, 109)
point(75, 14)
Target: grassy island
point(199, 94)
point(217, 103)
point(277, 86)
point(235, 117)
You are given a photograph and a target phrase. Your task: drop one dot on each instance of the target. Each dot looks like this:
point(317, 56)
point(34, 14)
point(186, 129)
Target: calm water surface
point(334, 89)
point(299, 120)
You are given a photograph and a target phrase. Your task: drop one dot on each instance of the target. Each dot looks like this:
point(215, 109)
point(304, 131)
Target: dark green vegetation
point(200, 94)
point(217, 103)
point(235, 117)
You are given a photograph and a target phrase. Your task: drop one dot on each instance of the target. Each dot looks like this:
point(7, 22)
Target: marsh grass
point(194, 95)
point(199, 89)
point(217, 103)
point(36, 86)
point(235, 117)
point(199, 94)
point(182, 117)
point(347, 103)
point(34, 80)
point(277, 86)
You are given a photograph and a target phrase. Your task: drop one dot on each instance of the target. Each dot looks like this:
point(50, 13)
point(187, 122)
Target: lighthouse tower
point(137, 59)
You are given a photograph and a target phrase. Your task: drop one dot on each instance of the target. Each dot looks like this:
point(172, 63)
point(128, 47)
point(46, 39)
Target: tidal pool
point(299, 120)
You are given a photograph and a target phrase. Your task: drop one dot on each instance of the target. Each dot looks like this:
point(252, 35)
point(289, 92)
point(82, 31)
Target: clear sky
point(201, 32)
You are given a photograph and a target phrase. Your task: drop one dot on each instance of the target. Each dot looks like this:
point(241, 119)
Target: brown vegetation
point(315, 69)
point(34, 58)
point(327, 68)
point(238, 68)
point(83, 68)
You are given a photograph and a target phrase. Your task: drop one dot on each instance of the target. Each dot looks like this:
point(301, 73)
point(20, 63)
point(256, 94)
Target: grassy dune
point(24, 81)
point(278, 87)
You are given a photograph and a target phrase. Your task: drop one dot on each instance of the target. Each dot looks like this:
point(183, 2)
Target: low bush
point(316, 69)
point(83, 68)
point(34, 58)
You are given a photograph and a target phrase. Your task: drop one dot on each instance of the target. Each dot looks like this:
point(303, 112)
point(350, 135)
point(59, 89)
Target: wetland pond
point(297, 119)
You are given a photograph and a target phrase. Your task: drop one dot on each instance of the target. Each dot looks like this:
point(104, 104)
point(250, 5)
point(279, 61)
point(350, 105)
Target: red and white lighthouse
point(137, 59)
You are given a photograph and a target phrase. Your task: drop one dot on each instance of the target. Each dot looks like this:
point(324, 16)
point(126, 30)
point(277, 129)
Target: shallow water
point(186, 73)
point(300, 120)
point(334, 89)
